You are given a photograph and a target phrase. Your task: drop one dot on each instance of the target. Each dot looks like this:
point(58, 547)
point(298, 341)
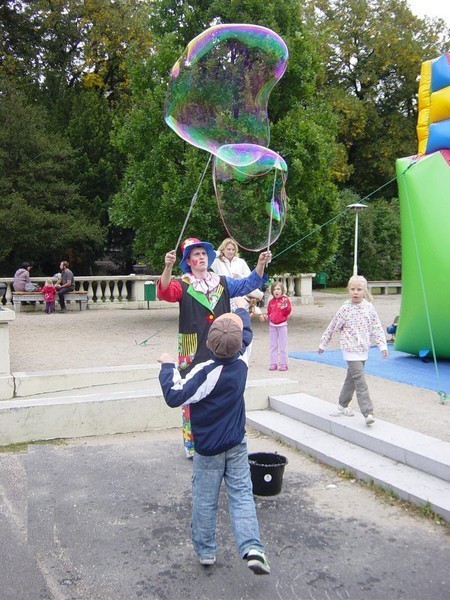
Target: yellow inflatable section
point(433, 123)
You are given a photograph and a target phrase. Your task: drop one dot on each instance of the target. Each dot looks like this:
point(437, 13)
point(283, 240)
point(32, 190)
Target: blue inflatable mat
point(399, 366)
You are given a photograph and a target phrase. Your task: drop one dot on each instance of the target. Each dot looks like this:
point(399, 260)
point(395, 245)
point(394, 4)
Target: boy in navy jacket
point(215, 391)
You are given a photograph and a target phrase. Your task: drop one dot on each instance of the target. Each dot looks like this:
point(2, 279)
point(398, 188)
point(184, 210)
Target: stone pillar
point(6, 379)
point(137, 288)
point(303, 287)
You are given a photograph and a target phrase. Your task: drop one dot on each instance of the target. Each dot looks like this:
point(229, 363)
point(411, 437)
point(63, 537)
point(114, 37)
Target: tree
point(43, 215)
point(72, 58)
point(379, 241)
point(373, 50)
point(163, 172)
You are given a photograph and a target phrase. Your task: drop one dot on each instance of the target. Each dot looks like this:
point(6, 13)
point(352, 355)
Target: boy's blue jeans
point(233, 467)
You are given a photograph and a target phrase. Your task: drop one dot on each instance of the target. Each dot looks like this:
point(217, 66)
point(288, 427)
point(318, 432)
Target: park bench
point(385, 286)
point(19, 297)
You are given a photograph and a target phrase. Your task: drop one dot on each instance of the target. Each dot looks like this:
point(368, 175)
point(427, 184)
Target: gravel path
point(97, 338)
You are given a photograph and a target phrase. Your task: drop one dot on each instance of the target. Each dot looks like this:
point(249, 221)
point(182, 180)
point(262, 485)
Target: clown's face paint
point(198, 261)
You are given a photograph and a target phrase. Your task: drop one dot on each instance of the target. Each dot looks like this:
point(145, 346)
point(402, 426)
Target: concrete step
point(398, 443)
point(108, 409)
point(33, 383)
point(407, 482)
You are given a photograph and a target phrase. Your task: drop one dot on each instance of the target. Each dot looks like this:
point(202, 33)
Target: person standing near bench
point(65, 283)
point(49, 292)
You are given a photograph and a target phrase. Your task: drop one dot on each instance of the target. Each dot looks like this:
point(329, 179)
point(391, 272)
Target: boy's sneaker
point(370, 420)
point(257, 562)
point(283, 368)
point(207, 562)
point(346, 411)
point(273, 368)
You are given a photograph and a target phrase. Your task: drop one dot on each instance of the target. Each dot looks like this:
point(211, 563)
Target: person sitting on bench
point(66, 283)
point(22, 281)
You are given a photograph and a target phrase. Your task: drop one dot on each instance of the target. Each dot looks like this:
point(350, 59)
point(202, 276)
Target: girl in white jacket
point(357, 322)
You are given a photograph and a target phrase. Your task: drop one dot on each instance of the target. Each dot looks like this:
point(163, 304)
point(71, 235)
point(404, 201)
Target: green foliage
point(83, 139)
point(71, 58)
point(97, 164)
point(163, 172)
point(42, 213)
point(372, 51)
point(379, 242)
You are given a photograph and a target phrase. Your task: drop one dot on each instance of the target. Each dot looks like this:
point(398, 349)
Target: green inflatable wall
point(424, 192)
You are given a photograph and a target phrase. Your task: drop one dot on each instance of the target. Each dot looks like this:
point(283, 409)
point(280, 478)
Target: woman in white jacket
point(229, 263)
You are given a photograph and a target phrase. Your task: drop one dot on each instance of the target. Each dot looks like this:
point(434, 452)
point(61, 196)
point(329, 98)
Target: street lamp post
point(357, 207)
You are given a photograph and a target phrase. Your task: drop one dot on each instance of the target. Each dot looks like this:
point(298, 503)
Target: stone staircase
point(414, 466)
point(70, 405)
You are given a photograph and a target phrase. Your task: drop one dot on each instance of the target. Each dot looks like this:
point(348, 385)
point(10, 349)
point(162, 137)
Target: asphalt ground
point(109, 519)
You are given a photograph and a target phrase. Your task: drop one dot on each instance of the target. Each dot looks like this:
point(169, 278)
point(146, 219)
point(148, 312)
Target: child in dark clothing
point(215, 391)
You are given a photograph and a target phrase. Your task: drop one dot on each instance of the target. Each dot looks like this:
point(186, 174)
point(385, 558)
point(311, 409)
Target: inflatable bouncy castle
point(424, 192)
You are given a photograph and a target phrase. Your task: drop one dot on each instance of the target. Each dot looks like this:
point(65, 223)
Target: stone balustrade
point(128, 291)
point(298, 286)
point(105, 291)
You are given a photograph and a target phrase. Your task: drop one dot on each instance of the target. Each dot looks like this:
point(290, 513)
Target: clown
point(202, 296)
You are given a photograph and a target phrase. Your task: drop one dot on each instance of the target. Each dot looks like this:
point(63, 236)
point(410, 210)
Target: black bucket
point(267, 470)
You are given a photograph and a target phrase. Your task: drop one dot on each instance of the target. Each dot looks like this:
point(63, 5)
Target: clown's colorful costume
point(201, 302)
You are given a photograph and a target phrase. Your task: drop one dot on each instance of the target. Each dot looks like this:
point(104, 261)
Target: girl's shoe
point(273, 368)
point(283, 367)
point(370, 420)
point(346, 411)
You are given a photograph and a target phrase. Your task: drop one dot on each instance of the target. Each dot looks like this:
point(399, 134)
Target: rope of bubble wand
point(271, 210)
point(193, 201)
point(319, 227)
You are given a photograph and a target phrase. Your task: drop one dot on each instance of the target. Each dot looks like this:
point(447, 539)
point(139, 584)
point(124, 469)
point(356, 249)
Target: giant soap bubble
point(220, 87)
point(217, 101)
point(247, 178)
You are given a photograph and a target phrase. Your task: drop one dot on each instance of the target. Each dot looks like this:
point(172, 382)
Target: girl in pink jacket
point(278, 311)
point(49, 292)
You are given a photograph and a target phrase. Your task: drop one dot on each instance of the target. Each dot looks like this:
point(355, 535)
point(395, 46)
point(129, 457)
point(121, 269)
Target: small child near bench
point(49, 292)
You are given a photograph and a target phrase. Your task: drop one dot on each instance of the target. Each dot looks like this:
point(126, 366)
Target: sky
point(431, 8)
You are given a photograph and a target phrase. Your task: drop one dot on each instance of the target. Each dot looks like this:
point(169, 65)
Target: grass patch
point(390, 497)
point(344, 474)
point(23, 446)
point(425, 510)
point(332, 290)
